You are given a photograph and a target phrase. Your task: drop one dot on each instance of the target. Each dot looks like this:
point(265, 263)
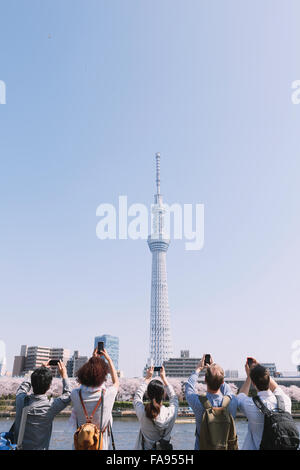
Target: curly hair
point(93, 373)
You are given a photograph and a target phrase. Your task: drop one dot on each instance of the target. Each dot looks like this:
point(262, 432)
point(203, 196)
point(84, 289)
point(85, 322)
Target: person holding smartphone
point(92, 377)
point(156, 420)
point(217, 389)
point(268, 391)
point(42, 411)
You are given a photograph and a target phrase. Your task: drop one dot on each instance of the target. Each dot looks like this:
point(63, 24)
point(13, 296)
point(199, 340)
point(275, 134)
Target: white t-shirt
point(256, 417)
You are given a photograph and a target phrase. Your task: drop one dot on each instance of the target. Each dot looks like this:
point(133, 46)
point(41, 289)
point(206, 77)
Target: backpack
point(8, 439)
point(280, 431)
point(218, 430)
point(89, 436)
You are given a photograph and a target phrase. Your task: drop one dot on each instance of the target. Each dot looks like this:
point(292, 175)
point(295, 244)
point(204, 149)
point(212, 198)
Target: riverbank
point(182, 417)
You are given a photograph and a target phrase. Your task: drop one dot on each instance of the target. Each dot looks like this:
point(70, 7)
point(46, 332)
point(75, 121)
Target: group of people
point(92, 404)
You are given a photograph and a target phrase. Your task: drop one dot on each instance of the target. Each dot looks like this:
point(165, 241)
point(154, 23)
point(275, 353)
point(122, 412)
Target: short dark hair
point(214, 377)
point(41, 380)
point(260, 376)
point(93, 373)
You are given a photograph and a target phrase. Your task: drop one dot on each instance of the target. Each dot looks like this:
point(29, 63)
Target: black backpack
point(280, 431)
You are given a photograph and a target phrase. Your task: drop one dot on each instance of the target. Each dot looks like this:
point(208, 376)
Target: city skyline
point(39, 354)
point(96, 90)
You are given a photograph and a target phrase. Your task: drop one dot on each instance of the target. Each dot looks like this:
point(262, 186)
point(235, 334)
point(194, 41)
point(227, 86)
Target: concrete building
point(75, 362)
point(288, 373)
point(32, 357)
point(24, 349)
point(271, 366)
point(61, 354)
point(182, 366)
point(160, 325)
point(19, 366)
point(111, 344)
point(36, 356)
point(231, 374)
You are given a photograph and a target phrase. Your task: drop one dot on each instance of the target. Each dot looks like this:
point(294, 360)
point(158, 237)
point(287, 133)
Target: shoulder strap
point(226, 401)
point(112, 436)
point(205, 402)
point(101, 418)
point(23, 423)
point(89, 418)
point(260, 405)
point(143, 441)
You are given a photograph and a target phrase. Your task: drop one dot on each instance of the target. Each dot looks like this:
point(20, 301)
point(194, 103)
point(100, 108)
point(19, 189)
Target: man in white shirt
point(267, 390)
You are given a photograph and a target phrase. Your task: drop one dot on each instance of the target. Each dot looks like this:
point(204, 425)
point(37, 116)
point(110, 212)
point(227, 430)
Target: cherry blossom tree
point(128, 387)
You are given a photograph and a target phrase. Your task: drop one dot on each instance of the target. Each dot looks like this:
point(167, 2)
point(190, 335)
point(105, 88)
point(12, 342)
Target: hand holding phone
point(100, 347)
point(157, 369)
point(250, 361)
point(53, 362)
point(207, 359)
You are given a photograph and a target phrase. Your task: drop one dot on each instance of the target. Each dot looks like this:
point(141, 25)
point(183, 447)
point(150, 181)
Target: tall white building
point(160, 329)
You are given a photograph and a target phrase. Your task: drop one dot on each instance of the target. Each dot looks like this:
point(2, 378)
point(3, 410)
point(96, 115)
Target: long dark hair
point(155, 392)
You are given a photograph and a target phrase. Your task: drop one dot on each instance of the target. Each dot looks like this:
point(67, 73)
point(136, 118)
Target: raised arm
point(191, 395)
point(59, 403)
point(245, 388)
point(112, 369)
point(24, 388)
point(273, 384)
point(139, 394)
point(138, 404)
point(22, 392)
point(246, 385)
point(173, 400)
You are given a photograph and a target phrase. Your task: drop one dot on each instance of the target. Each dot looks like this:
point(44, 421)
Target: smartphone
point(207, 359)
point(100, 347)
point(157, 369)
point(53, 362)
point(249, 361)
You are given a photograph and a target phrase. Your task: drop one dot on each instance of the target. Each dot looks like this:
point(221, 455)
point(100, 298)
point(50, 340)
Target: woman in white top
point(92, 376)
point(156, 420)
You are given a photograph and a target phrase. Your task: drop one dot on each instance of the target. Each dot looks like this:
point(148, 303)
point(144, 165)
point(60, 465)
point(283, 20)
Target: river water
point(125, 433)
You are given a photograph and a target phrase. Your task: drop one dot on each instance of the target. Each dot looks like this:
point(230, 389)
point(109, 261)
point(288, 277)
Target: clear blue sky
point(94, 89)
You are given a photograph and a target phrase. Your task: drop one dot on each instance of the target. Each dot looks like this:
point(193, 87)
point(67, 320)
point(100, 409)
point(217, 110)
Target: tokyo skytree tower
point(160, 328)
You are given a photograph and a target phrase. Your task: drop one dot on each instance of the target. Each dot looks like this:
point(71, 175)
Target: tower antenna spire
point(157, 156)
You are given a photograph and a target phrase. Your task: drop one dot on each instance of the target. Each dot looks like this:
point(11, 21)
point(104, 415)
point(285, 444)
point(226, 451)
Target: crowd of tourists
point(268, 410)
